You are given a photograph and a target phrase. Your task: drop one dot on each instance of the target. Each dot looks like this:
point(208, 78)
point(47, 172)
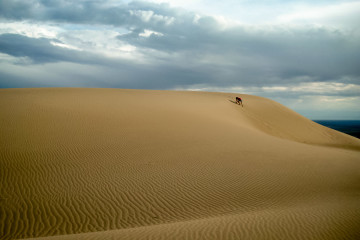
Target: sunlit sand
point(138, 164)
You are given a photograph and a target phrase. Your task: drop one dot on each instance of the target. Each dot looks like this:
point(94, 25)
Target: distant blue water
point(351, 127)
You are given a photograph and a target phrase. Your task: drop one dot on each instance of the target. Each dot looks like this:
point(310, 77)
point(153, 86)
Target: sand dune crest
point(136, 164)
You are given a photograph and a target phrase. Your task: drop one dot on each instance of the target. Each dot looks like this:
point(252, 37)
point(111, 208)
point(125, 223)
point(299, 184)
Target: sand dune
point(139, 164)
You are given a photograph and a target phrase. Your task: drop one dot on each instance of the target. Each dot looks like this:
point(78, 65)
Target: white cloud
point(325, 87)
point(147, 16)
point(58, 44)
point(98, 41)
point(30, 29)
point(275, 89)
point(341, 15)
point(148, 33)
point(332, 99)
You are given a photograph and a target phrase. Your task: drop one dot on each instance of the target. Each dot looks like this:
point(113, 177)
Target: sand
point(138, 164)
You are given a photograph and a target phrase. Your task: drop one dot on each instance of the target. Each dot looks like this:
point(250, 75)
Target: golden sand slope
point(134, 164)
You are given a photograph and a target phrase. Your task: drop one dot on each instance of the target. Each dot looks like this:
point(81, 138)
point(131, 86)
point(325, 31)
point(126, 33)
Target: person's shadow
point(236, 103)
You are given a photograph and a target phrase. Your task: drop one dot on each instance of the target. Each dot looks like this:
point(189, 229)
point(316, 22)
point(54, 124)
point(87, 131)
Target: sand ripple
point(131, 164)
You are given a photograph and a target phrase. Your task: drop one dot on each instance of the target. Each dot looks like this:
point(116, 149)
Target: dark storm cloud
point(44, 50)
point(39, 50)
point(87, 12)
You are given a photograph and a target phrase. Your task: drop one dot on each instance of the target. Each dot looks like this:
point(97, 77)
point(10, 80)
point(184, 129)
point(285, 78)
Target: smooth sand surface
point(135, 164)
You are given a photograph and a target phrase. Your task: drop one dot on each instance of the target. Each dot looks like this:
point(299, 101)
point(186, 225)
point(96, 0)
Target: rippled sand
point(135, 164)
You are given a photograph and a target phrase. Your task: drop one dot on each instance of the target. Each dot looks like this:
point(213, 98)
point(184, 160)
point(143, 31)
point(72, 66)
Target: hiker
point(239, 101)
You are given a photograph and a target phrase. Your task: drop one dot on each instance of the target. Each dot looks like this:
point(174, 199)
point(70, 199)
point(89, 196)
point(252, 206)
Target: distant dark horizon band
point(350, 127)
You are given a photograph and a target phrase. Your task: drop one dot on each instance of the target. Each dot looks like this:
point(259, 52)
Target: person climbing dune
point(239, 101)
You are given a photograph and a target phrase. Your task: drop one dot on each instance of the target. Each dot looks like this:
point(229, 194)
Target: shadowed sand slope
point(136, 164)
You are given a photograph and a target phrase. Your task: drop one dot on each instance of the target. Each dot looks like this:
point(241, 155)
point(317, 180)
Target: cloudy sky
point(304, 54)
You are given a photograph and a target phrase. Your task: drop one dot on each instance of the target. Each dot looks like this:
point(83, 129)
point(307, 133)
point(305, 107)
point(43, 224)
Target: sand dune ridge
point(139, 164)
